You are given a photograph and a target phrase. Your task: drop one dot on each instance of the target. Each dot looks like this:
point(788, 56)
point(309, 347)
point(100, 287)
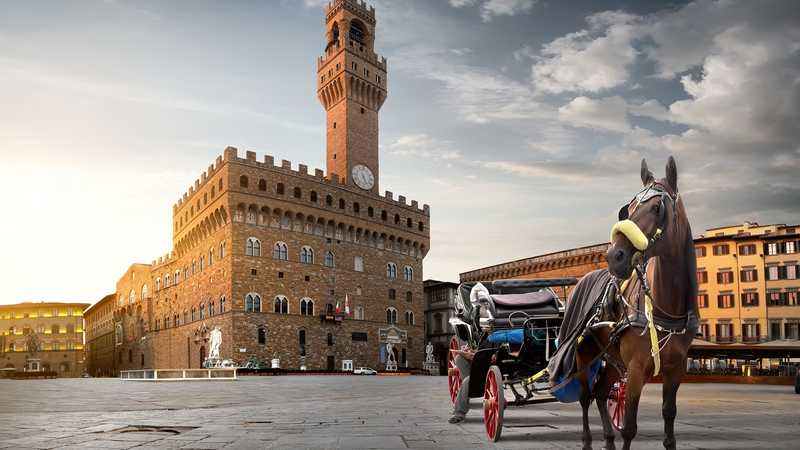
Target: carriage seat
point(543, 302)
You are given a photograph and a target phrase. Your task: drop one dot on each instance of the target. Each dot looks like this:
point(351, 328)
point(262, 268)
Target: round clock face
point(363, 177)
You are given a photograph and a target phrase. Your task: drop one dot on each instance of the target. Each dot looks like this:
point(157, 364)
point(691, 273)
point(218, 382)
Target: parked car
point(364, 371)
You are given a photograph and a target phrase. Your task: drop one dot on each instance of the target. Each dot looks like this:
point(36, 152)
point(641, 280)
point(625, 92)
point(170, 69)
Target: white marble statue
point(391, 362)
point(429, 353)
point(215, 339)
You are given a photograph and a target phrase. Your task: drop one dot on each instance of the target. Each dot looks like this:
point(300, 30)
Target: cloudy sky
point(521, 122)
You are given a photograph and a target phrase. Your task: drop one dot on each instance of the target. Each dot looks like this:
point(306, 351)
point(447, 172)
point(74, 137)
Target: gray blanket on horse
point(587, 294)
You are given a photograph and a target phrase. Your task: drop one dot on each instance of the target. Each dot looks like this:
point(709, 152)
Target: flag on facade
point(338, 309)
point(346, 304)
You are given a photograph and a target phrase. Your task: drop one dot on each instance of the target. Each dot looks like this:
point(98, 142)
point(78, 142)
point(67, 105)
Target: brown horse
point(658, 259)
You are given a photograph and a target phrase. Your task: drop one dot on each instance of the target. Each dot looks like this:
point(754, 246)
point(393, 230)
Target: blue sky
point(521, 122)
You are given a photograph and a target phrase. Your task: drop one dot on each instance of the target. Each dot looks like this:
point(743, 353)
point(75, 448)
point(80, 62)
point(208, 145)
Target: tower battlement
point(364, 11)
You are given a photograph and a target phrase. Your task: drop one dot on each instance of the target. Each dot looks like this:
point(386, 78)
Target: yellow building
point(55, 328)
point(781, 269)
point(733, 266)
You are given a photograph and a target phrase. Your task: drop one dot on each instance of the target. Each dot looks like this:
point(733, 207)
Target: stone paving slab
point(331, 412)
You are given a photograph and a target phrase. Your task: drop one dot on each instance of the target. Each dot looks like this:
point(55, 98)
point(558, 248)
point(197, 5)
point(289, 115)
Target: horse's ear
point(672, 174)
point(647, 176)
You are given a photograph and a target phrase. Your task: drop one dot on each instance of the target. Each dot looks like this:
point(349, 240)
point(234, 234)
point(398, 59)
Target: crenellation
point(230, 153)
point(285, 164)
point(318, 173)
point(250, 156)
point(389, 195)
point(426, 209)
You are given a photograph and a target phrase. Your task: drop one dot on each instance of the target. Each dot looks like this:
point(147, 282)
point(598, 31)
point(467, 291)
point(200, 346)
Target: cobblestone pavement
point(359, 412)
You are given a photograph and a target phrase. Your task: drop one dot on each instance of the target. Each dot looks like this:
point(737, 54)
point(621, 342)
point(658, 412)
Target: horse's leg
point(637, 377)
point(586, 400)
point(601, 389)
point(672, 381)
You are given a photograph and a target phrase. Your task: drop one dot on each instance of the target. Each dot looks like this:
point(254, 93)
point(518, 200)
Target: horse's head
point(647, 223)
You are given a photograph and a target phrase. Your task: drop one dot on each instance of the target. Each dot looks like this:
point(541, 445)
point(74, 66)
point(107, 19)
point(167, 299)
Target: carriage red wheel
point(494, 403)
point(616, 404)
point(453, 375)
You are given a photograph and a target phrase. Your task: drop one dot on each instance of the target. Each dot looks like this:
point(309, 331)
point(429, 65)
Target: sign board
point(242, 350)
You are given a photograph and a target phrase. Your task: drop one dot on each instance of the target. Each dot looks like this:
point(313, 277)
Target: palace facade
point(42, 336)
point(747, 277)
point(99, 332)
point(318, 270)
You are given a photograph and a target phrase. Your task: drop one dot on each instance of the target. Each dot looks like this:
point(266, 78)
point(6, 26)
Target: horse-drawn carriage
point(509, 330)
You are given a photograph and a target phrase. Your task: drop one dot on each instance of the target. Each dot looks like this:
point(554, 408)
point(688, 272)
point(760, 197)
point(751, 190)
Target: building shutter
point(765, 249)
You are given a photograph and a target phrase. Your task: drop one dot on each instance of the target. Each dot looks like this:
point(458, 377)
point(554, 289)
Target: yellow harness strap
point(539, 374)
point(632, 232)
point(654, 350)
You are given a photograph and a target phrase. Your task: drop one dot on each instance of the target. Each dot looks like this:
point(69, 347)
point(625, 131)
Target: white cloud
point(589, 60)
point(607, 114)
point(424, 146)
point(493, 8)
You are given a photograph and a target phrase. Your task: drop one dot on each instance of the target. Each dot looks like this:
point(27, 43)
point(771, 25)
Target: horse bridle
point(640, 241)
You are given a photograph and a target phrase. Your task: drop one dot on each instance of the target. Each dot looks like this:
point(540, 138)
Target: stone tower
point(351, 85)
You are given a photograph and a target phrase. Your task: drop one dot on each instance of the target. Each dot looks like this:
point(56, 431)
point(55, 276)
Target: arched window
point(145, 292)
point(252, 302)
point(370, 211)
point(281, 305)
point(280, 189)
point(391, 271)
point(384, 215)
point(210, 257)
point(392, 294)
point(280, 251)
point(194, 314)
point(397, 218)
point(307, 307)
point(356, 208)
point(341, 203)
point(262, 185)
point(262, 336)
point(176, 319)
point(177, 276)
point(357, 32)
point(167, 281)
point(313, 196)
point(391, 315)
point(359, 313)
point(253, 247)
point(408, 273)
point(409, 224)
point(202, 310)
point(328, 200)
point(307, 255)
point(409, 296)
point(185, 317)
point(211, 309)
point(243, 181)
point(132, 296)
point(409, 318)
point(298, 193)
point(330, 260)
point(222, 249)
point(158, 284)
point(202, 263)
point(222, 304)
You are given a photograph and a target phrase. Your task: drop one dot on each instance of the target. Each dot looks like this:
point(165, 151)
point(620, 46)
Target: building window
point(359, 313)
point(328, 200)
point(772, 272)
point(280, 188)
point(262, 185)
point(724, 332)
point(222, 249)
point(280, 251)
point(211, 309)
point(313, 197)
point(791, 330)
point(298, 193)
point(262, 336)
point(330, 260)
point(391, 271)
point(437, 323)
point(243, 181)
point(392, 294)
point(252, 303)
point(307, 255)
point(751, 331)
point(301, 337)
point(725, 277)
point(252, 248)
point(359, 336)
point(307, 307)
point(281, 305)
point(409, 296)
point(702, 300)
point(358, 264)
point(749, 249)
point(774, 330)
point(202, 310)
point(789, 247)
point(342, 204)
point(158, 284)
point(725, 301)
point(772, 249)
point(384, 215)
point(750, 299)
point(391, 316)
point(700, 251)
point(749, 275)
point(702, 277)
point(194, 317)
point(409, 318)
point(721, 249)
point(791, 272)
point(330, 339)
point(704, 330)
point(356, 208)
point(370, 211)
point(132, 295)
point(222, 304)
point(408, 273)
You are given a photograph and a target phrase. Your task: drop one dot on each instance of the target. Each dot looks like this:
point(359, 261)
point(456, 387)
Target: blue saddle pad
point(515, 336)
point(571, 392)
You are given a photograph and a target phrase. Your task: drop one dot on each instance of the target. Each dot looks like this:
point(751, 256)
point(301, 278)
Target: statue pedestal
point(212, 363)
point(391, 367)
point(276, 363)
point(432, 367)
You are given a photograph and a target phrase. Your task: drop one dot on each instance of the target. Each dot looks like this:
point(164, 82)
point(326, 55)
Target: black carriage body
point(535, 318)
